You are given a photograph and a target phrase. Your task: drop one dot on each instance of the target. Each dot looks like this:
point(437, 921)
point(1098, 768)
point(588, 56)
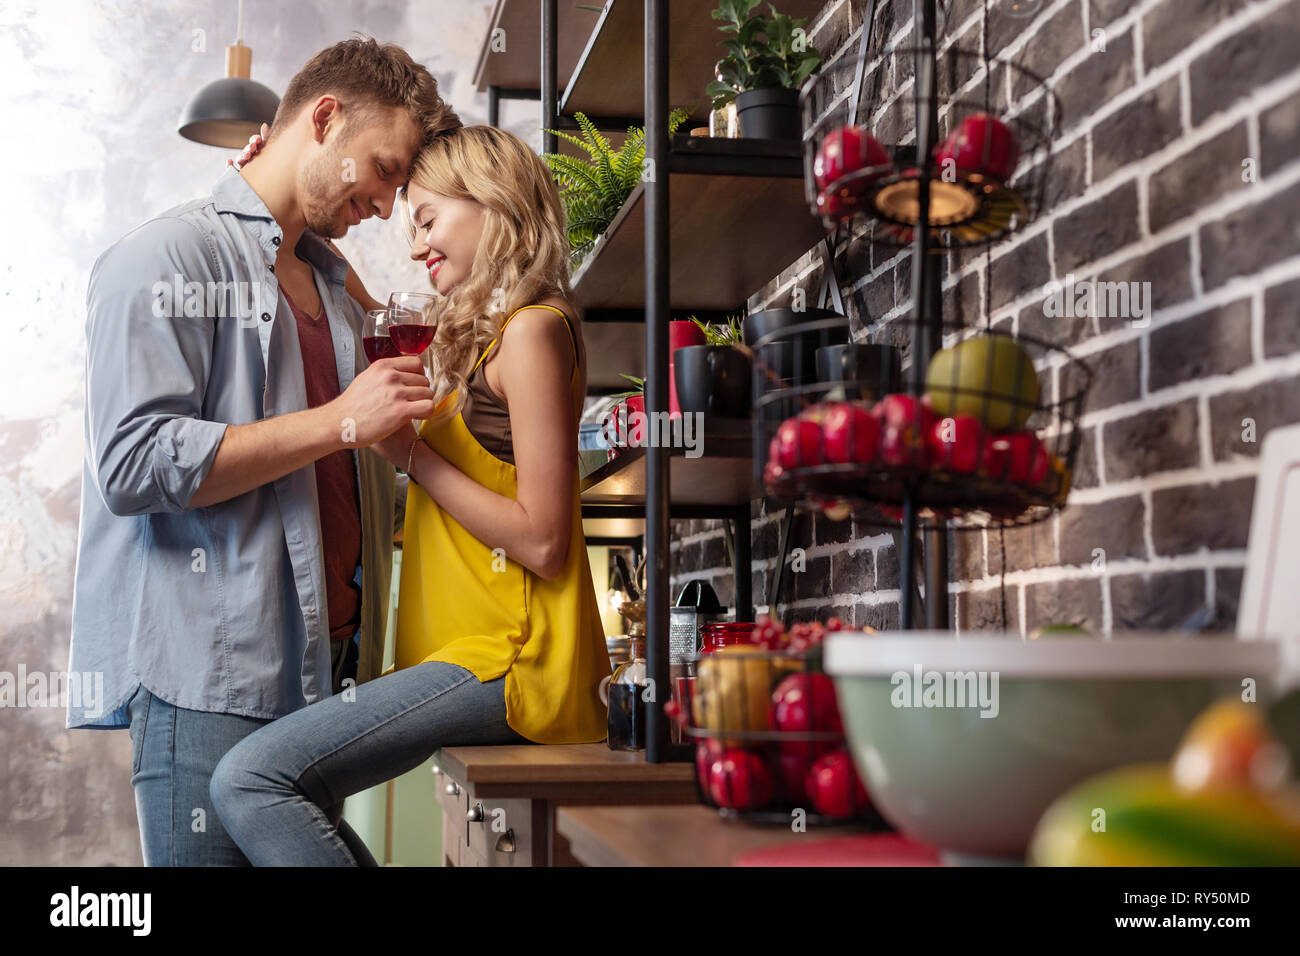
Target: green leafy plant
point(593, 190)
point(766, 52)
point(630, 393)
point(730, 333)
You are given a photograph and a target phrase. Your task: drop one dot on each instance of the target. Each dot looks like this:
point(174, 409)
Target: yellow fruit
point(1137, 816)
point(989, 377)
point(733, 688)
point(1230, 745)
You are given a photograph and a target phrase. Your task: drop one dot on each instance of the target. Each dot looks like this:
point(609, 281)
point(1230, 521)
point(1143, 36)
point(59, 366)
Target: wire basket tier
point(984, 177)
point(749, 763)
point(989, 441)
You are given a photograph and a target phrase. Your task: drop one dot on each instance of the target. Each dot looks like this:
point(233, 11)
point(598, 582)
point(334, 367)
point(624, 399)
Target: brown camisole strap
point(568, 324)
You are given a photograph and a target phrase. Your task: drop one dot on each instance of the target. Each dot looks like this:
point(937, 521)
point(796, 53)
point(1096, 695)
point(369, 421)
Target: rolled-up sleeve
point(147, 369)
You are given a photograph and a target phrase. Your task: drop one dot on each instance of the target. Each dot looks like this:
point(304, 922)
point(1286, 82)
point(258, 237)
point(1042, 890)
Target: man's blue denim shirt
point(220, 608)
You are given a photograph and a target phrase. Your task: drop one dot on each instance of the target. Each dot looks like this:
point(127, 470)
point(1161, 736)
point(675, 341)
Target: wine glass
point(374, 336)
point(412, 320)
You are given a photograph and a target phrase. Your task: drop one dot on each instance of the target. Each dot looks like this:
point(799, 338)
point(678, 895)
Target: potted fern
point(715, 378)
point(594, 190)
point(768, 59)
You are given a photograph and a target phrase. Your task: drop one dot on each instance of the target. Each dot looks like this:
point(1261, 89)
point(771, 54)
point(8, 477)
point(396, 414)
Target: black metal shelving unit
point(658, 482)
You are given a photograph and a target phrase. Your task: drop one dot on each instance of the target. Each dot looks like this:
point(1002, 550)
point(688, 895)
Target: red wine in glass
point(411, 339)
point(411, 320)
point(379, 347)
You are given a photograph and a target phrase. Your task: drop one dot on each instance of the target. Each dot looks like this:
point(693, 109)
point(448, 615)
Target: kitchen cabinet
point(499, 803)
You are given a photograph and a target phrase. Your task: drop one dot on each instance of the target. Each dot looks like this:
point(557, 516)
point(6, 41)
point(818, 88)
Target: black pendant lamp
point(227, 112)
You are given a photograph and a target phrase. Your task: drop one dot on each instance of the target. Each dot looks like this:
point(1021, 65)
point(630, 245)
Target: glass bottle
point(624, 696)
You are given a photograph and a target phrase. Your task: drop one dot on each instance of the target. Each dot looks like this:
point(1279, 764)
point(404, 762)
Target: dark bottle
point(627, 709)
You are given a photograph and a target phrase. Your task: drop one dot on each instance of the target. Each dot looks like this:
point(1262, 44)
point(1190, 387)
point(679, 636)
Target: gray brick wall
point(1175, 166)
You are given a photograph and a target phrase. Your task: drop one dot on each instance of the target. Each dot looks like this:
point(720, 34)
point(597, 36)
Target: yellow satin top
point(463, 603)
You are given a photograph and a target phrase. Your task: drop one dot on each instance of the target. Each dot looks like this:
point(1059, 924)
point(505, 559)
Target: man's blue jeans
point(275, 789)
point(173, 753)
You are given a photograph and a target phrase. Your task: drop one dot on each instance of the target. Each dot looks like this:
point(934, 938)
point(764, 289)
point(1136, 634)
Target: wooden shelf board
point(692, 835)
point(565, 772)
point(613, 527)
point(612, 348)
point(609, 79)
point(519, 66)
point(722, 475)
point(728, 236)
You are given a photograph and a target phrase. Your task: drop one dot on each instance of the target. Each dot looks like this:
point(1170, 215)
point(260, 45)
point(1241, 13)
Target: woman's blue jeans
point(274, 789)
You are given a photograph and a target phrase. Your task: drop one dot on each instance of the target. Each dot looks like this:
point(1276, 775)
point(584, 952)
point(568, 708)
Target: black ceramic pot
point(713, 379)
point(793, 357)
point(769, 114)
point(867, 371)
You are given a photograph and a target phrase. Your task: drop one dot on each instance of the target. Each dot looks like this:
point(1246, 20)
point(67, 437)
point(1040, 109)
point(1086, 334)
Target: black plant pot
point(793, 358)
point(867, 372)
point(713, 379)
point(769, 114)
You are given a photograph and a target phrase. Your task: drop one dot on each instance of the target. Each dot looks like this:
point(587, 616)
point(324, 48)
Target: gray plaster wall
point(89, 97)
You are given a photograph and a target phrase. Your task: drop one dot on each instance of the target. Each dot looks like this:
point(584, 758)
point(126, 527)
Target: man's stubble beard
point(321, 205)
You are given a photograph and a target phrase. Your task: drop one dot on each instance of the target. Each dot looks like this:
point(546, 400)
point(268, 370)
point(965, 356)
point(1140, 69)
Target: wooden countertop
point(671, 835)
point(573, 772)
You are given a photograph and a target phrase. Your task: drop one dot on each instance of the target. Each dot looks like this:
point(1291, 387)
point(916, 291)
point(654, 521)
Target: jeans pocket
point(139, 704)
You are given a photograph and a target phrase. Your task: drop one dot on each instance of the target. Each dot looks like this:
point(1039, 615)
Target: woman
point(499, 638)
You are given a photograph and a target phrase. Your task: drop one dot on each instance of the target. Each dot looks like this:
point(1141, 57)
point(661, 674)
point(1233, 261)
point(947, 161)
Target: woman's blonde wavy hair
point(522, 257)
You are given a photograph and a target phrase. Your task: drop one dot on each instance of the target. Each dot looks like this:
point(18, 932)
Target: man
point(216, 582)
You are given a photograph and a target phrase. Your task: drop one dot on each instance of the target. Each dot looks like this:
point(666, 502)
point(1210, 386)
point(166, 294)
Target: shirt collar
point(232, 194)
point(312, 248)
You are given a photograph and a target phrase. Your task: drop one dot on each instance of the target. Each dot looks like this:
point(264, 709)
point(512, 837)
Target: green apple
point(989, 377)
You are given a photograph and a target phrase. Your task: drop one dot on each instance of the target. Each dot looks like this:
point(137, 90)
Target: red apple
point(997, 455)
point(772, 474)
point(850, 433)
point(835, 205)
point(957, 443)
point(795, 764)
point(982, 144)
point(798, 443)
point(805, 702)
point(834, 787)
point(1028, 459)
point(847, 150)
point(905, 423)
point(706, 751)
point(740, 780)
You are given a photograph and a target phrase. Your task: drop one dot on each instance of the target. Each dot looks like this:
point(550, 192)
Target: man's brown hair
point(365, 75)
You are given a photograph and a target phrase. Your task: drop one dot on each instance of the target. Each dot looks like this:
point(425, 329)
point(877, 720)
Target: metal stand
point(926, 299)
point(658, 742)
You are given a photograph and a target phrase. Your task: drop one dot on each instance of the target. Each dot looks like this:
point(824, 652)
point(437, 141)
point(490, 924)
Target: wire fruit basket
point(990, 441)
point(985, 176)
point(769, 741)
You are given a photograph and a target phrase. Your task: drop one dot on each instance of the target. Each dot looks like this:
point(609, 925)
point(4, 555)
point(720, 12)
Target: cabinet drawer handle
point(452, 789)
point(506, 842)
point(475, 814)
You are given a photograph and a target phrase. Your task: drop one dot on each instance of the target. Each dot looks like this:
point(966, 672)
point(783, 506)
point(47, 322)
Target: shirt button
point(266, 316)
point(275, 240)
point(271, 267)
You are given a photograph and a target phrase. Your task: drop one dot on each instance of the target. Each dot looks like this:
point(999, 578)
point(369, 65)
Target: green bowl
point(964, 742)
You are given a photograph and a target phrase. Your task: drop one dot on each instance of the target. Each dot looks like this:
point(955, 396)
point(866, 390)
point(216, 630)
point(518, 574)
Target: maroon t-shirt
point(336, 481)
